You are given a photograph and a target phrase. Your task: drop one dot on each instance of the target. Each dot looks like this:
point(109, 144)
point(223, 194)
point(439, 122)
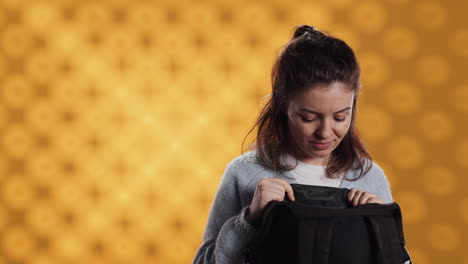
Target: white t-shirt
point(309, 174)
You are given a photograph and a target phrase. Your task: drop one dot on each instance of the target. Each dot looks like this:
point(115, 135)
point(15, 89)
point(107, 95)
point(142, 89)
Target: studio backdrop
point(117, 118)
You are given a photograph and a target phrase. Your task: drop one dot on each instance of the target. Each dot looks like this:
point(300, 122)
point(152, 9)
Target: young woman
point(306, 134)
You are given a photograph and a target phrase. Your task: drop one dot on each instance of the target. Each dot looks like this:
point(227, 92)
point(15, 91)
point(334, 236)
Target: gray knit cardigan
point(227, 232)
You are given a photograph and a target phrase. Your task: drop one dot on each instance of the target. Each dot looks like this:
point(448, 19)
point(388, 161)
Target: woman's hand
point(267, 190)
point(356, 197)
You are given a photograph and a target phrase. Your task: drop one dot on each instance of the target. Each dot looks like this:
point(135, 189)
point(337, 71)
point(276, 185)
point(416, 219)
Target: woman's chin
point(318, 153)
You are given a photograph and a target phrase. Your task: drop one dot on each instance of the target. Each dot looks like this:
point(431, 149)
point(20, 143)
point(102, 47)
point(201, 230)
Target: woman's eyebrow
point(318, 113)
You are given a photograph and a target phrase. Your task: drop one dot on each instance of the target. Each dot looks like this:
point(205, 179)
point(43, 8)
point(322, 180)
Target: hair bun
point(303, 29)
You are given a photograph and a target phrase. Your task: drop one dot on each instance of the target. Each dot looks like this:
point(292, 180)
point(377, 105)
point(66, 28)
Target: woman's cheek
point(302, 128)
point(344, 129)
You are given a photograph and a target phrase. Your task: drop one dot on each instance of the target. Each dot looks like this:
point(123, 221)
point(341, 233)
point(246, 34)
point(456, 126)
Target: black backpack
point(322, 227)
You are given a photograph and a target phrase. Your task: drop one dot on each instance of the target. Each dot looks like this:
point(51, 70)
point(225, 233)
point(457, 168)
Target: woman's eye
point(311, 120)
point(307, 120)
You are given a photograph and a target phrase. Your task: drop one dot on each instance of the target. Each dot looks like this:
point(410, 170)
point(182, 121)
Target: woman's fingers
point(274, 188)
point(357, 197)
point(267, 190)
point(376, 200)
point(365, 197)
point(289, 190)
point(284, 187)
point(352, 195)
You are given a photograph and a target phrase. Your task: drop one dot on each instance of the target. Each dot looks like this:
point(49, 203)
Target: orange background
point(117, 118)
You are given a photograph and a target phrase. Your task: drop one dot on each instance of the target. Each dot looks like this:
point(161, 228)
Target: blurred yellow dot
point(17, 243)
point(68, 245)
point(146, 15)
point(413, 206)
point(43, 218)
point(444, 236)
point(375, 69)
point(17, 192)
point(95, 14)
point(15, 40)
point(68, 143)
point(403, 97)
point(123, 248)
point(100, 219)
point(461, 152)
point(17, 90)
point(430, 15)
point(463, 209)
point(41, 66)
point(436, 125)
point(460, 97)
point(405, 151)
point(433, 69)
point(254, 14)
point(204, 16)
point(38, 15)
point(42, 116)
point(17, 141)
point(439, 180)
point(459, 41)
point(70, 193)
point(67, 40)
point(400, 42)
point(369, 16)
point(375, 123)
point(43, 167)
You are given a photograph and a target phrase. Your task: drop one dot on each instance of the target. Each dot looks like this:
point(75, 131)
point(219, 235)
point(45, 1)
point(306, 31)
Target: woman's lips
point(320, 145)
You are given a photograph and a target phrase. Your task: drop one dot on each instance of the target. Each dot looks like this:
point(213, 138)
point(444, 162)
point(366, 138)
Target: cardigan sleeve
point(381, 183)
point(226, 232)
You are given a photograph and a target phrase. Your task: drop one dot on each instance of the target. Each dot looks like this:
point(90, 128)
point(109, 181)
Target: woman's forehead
point(332, 97)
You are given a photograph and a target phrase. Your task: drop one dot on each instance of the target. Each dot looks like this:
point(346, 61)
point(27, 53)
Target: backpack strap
point(315, 234)
point(324, 236)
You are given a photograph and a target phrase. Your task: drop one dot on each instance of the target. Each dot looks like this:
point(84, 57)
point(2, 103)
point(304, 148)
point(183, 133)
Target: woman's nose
point(324, 130)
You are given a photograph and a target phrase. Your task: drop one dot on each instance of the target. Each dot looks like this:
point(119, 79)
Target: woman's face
point(322, 114)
